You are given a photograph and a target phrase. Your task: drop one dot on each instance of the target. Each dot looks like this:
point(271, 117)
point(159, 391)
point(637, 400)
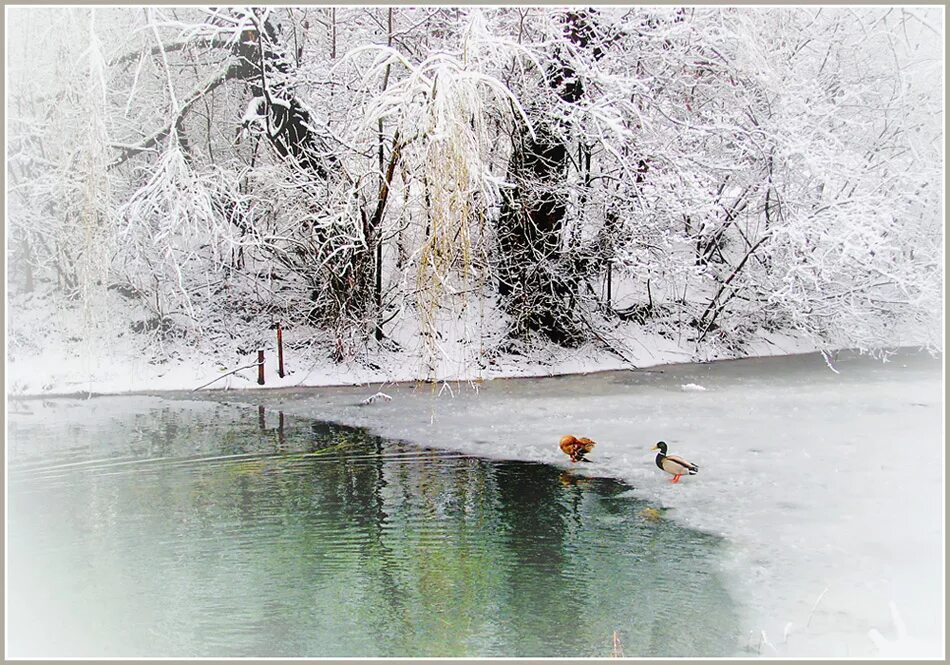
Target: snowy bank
point(73, 356)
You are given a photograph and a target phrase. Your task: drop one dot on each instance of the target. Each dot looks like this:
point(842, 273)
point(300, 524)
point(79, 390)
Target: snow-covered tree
point(457, 182)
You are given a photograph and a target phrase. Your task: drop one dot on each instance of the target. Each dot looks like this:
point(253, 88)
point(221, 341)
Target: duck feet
point(676, 478)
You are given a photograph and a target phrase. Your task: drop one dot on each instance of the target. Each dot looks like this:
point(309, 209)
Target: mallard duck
point(576, 448)
point(676, 466)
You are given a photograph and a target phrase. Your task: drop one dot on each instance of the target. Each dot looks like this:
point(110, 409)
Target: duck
point(576, 448)
point(676, 466)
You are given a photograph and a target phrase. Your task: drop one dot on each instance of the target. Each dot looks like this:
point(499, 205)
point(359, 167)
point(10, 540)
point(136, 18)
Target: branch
point(199, 92)
point(170, 47)
point(394, 156)
point(233, 371)
point(722, 287)
point(608, 346)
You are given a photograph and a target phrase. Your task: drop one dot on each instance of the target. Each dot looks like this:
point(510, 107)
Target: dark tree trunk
point(375, 235)
point(343, 290)
point(538, 283)
point(531, 279)
point(263, 64)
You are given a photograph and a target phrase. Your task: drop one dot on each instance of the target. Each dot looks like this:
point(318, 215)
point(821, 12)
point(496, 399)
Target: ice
point(692, 387)
point(826, 486)
point(380, 396)
point(901, 646)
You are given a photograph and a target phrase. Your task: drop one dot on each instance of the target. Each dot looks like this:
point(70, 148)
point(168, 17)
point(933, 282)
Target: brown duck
point(576, 448)
point(675, 466)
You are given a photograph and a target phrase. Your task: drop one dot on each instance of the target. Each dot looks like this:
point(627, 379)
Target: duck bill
point(654, 448)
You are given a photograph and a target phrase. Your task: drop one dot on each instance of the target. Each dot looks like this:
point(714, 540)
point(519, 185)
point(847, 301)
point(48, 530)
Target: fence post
point(280, 351)
point(260, 367)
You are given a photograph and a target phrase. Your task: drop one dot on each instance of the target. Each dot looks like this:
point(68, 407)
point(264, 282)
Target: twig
point(233, 371)
point(815, 607)
point(766, 642)
point(376, 398)
point(618, 646)
point(128, 151)
point(830, 366)
point(722, 287)
point(607, 344)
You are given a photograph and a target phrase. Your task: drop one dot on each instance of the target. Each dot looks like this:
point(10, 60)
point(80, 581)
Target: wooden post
point(260, 417)
point(260, 367)
point(280, 351)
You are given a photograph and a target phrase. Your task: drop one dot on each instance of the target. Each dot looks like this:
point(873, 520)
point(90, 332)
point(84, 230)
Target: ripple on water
point(310, 539)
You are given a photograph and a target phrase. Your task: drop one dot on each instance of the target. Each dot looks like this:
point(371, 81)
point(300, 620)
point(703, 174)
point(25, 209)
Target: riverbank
point(56, 347)
point(73, 367)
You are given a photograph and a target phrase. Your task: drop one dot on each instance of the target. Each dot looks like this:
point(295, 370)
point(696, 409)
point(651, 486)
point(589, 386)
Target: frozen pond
point(828, 487)
point(143, 526)
point(465, 531)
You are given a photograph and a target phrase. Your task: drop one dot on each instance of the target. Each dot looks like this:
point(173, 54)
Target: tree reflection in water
point(221, 536)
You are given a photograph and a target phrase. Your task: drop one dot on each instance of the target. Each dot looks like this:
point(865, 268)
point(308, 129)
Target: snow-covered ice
point(692, 387)
point(828, 486)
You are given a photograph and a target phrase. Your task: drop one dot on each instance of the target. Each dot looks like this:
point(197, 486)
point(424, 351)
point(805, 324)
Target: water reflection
point(200, 530)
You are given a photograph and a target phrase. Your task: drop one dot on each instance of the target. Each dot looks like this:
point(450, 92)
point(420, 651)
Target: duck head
point(661, 446)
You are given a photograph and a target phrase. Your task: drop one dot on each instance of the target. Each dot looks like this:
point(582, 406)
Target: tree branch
point(233, 371)
point(169, 48)
point(203, 89)
point(722, 287)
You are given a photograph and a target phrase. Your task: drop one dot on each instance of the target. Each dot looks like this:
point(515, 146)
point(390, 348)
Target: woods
point(455, 184)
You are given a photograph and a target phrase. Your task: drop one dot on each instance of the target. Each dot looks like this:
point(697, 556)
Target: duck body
point(672, 464)
point(576, 448)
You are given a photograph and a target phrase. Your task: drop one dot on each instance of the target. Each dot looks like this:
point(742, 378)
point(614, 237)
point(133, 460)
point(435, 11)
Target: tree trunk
point(376, 240)
point(538, 284)
point(342, 291)
point(531, 268)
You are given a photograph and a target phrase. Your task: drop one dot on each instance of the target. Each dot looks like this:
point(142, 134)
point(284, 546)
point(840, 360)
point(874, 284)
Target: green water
point(147, 527)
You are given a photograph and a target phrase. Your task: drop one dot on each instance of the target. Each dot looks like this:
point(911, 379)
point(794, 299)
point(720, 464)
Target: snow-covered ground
point(828, 486)
point(60, 351)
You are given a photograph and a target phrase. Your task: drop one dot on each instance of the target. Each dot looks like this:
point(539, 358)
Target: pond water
point(147, 526)
point(826, 486)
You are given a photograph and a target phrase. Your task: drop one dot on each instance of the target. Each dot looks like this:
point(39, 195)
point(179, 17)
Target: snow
point(53, 349)
point(901, 646)
point(376, 398)
point(123, 367)
point(810, 467)
point(826, 486)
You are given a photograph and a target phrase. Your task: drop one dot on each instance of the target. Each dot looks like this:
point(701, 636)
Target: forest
point(448, 186)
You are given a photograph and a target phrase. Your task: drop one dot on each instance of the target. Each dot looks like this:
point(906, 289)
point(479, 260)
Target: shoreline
point(659, 368)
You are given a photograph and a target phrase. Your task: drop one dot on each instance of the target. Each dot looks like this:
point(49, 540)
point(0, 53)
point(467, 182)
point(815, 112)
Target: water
point(144, 526)
point(826, 487)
